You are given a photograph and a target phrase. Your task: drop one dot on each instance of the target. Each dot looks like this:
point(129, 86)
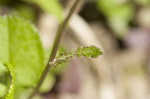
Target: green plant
point(23, 64)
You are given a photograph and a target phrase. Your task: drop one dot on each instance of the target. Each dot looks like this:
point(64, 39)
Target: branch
point(57, 40)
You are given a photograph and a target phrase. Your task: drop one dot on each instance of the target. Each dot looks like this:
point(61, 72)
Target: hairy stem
point(57, 40)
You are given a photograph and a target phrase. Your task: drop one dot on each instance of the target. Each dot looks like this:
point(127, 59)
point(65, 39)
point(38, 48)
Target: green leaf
point(20, 46)
point(50, 6)
point(90, 52)
point(63, 57)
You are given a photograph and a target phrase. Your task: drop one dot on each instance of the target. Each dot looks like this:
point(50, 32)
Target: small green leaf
point(63, 57)
point(90, 52)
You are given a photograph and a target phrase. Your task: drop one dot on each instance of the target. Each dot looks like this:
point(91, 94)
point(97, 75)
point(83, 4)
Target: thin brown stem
point(57, 40)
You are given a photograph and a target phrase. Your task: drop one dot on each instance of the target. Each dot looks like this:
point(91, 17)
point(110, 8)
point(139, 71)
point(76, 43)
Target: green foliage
point(23, 48)
point(20, 45)
point(63, 56)
point(89, 52)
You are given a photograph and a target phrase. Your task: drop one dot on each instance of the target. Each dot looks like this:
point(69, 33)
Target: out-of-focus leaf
point(22, 48)
point(50, 6)
point(118, 14)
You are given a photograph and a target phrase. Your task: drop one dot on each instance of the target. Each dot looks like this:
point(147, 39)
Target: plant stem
point(57, 40)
